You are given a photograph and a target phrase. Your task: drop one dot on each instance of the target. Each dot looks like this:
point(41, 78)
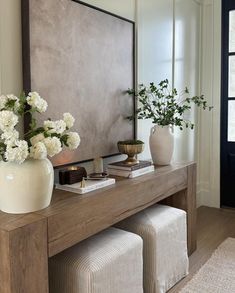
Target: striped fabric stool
point(163, 230)
point(109, 262)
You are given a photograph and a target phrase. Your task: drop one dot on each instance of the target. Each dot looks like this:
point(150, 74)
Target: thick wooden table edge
point(24, 254)
point(78, 217)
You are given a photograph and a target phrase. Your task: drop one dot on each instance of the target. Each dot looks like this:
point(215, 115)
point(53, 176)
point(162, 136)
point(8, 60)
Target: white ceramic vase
point(25, 187)
point(161, 142)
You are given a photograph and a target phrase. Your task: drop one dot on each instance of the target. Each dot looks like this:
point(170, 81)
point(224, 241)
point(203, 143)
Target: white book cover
point(131, 174)
point(91, 185)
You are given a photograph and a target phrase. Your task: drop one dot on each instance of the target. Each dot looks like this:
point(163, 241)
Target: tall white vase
point(161, 142)
point(25, 187)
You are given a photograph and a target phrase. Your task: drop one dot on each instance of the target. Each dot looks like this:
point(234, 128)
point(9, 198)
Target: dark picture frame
point(39, 22)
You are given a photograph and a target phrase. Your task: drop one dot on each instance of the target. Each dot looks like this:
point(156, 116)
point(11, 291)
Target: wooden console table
point(26, 241)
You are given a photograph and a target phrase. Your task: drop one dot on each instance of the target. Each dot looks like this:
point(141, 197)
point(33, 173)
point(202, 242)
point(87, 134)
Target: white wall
point(169, 47)
point(209, 138)
point(186, 70)
point(155, 49)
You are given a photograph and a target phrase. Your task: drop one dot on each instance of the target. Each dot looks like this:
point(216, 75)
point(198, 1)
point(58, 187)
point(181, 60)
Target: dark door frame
point(227, 5)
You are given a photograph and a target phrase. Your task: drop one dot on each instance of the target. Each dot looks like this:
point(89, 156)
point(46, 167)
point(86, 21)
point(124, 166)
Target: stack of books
point(123, 170)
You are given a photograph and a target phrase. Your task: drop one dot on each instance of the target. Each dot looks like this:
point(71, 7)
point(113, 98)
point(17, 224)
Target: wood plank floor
point(213, 227)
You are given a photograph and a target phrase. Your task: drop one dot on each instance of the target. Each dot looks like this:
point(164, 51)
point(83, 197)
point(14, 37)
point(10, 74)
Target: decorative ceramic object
point(26, 175)
point(161, 142)
point(26, 187)
point(131, 148)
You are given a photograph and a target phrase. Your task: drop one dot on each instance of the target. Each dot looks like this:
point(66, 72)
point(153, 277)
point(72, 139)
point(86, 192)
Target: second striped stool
point(163, 230)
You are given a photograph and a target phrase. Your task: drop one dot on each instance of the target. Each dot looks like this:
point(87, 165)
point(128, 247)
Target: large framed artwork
point(81, 60)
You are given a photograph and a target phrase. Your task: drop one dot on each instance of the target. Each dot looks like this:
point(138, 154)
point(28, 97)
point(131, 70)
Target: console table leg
point(24, 257)
point(191, 209)
point(186, 200)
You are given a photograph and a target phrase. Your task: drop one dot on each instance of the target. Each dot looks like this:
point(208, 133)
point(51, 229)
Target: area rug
point(217, 275)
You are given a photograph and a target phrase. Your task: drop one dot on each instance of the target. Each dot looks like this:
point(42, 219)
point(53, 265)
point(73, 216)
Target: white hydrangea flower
point(17, 152)
point(3, 100)
point(58, 126)
point(8, 120)
point(35, 101)
point(73, 140)
point(10, 137)
point(49, 125)
point(38, 151)
point(17, 101)
point(69, 120)
point(53, 146)
point(37, 138)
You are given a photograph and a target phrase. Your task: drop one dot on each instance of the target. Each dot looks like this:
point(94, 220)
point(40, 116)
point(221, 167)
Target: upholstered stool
point(109, 262)
point(163, 230)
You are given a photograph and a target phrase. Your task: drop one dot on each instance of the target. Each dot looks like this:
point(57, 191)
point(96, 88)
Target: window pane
point(232, 31)
point(231, 78)
point(231, 121)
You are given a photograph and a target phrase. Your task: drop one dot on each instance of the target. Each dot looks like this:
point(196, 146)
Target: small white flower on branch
point(58, 126)
point(3, 100)
point(17, 152)
point(53, 146)
point(69, 120)
point(36, 102)
point(73, 140)
point(8, 120)
point(37, 138)
point(38, 151)
point(10, 137)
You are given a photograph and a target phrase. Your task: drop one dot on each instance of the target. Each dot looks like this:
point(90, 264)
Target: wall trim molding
point(207, 2)
point(173, 43)
point(209, 132)
point(199, 2)
point(1, 38)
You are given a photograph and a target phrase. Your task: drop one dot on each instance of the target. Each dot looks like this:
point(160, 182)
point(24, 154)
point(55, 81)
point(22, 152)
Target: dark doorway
point(228, 105)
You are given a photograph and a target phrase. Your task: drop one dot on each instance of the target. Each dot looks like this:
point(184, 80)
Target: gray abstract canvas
point(81, 61)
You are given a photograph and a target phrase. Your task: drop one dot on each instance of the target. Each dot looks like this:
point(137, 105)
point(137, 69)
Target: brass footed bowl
point(131, 150)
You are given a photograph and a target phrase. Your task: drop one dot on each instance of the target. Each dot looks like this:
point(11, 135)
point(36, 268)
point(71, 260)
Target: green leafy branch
point(164, 105)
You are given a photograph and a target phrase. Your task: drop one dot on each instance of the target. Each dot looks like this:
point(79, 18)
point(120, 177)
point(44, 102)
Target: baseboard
point(205, 198)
